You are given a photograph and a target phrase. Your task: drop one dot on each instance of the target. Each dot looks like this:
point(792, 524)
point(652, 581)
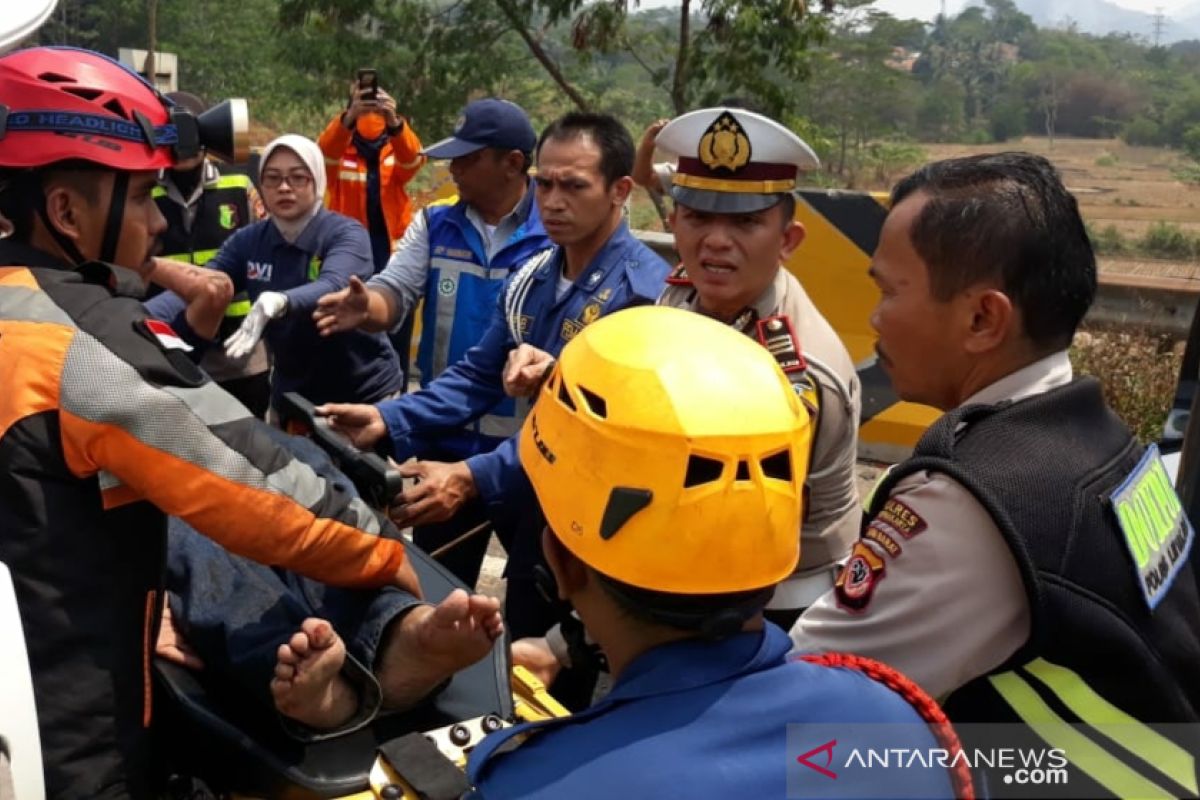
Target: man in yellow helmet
point(669, 452)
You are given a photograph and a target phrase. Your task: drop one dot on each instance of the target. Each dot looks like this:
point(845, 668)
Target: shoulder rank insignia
point(724, 145)
point(776, 334)
point(678, 277)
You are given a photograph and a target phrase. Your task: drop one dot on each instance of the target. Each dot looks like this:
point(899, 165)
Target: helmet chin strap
point(116, 217)
point(112, 225)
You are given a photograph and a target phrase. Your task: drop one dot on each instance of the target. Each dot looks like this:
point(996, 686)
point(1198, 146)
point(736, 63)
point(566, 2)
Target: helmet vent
point(778, 466)
point(565, 397)
point(54, 77)
point(743, 471)
point(80, 91)
point(623, 503)
point(701, 470)
point(595, 403)
point(115, 107)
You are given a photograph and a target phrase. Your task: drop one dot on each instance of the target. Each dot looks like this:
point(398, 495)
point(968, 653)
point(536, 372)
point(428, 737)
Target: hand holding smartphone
point(368, 79)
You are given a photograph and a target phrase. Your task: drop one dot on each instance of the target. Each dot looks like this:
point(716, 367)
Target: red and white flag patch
point(166, 336)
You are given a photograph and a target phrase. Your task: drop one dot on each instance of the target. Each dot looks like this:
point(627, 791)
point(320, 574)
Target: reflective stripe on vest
point(223, 182)
point(1108, 720)
point(450, 274)
point(197, 257)
point(240, 306)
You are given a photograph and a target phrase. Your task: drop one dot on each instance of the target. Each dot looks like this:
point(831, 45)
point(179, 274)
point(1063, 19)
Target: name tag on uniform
point(1157, 532)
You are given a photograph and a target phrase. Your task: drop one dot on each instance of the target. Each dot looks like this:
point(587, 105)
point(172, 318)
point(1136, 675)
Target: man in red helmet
point(106, 426)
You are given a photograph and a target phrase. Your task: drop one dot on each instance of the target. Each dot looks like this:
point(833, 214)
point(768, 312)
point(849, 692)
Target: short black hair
point(712, 616)
point(22, 191)
point(614, 141)
point(1007, 218)
point(499, 153)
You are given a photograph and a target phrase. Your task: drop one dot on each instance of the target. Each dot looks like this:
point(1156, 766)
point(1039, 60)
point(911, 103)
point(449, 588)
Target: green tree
point(719, 47)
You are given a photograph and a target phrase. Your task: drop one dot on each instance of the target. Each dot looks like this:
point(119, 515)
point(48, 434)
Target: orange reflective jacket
point(347, 175)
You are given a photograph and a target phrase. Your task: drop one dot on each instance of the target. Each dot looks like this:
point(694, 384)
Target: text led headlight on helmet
point(62, 103)
point(668, 451)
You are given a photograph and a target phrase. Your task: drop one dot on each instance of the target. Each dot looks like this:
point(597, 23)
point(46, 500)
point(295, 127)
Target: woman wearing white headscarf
point(300, 252)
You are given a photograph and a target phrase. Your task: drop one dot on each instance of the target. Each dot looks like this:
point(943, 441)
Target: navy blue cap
point(489, 122)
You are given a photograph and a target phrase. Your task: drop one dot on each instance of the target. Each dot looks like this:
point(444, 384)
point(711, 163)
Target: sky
point(928, 9)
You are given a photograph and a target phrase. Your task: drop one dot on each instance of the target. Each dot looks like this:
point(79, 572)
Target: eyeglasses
point(296, 180)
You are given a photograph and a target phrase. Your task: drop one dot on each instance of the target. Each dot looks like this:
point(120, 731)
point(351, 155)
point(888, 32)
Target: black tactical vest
point(1046, 469)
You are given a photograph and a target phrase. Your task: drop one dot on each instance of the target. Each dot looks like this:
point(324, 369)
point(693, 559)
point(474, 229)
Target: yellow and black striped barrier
point(843, 229)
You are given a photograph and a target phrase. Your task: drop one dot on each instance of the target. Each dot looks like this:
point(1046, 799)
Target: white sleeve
point(931, 588)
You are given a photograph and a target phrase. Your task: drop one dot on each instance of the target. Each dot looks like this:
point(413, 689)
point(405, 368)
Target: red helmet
point(59, 103)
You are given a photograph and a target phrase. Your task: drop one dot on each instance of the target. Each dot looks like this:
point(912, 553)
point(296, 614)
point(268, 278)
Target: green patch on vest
point(1157, 532)
point(228, 216)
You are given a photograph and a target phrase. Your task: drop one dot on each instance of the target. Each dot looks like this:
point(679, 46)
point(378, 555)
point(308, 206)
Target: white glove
point(268, 306)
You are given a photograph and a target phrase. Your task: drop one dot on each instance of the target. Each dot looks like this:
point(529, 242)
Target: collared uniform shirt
point(944, 601)
point(832, 514)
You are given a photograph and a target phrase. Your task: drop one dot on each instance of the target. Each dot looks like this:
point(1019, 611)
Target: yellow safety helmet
point(668, 452)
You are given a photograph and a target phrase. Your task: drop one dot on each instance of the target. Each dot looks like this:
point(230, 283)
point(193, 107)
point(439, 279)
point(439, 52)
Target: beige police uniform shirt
point(833, 513)
point(931, 587)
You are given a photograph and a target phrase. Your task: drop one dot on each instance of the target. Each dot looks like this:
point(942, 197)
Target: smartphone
point(369, 79)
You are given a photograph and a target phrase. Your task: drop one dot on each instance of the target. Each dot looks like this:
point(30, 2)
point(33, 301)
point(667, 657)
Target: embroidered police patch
point(447, 287)
point(570, 328)
point(1157, 532)
point(228, 214)
point(879, 536)
point(863, 571)
point(899, 518)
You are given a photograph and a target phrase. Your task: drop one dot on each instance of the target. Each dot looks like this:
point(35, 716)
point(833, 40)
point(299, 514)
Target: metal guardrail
point(1146, 303)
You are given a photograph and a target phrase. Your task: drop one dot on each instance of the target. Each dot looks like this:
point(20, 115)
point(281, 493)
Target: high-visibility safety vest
point(224, 205)
point(460, 299)
point(1110, 674)
point(346, 175)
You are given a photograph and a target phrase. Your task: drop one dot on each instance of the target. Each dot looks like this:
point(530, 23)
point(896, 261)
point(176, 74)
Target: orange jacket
point(347, 175)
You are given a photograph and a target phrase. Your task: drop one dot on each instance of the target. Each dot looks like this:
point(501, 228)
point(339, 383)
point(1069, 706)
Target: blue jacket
point(701, 719)
point(460, 294)
point(347, 367)
point(623, 273)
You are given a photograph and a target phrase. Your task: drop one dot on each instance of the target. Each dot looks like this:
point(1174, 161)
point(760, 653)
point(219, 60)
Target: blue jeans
point(236, 612)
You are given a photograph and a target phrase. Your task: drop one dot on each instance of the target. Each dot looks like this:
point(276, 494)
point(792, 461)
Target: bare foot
point(308, 686)
point(429, 644)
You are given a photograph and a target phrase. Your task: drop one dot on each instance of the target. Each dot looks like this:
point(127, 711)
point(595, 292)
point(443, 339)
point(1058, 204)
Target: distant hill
point(1099, 17)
